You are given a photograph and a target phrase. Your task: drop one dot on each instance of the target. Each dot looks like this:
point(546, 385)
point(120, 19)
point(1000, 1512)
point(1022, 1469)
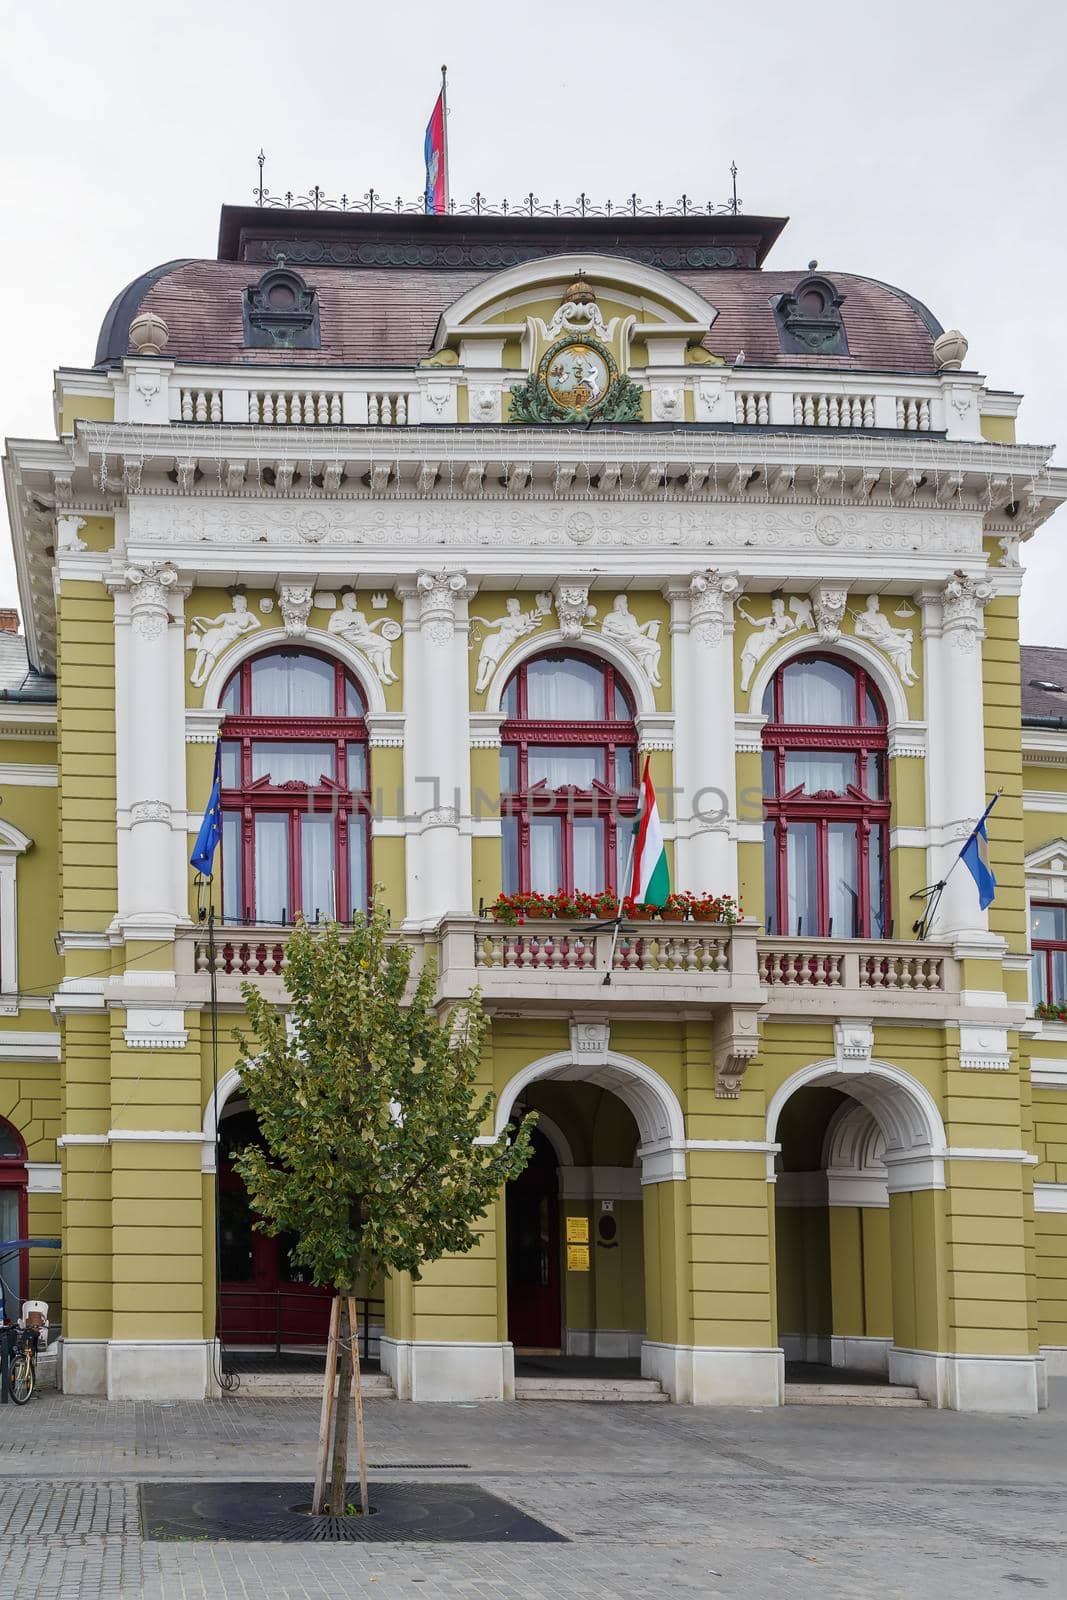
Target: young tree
point(369, 1113)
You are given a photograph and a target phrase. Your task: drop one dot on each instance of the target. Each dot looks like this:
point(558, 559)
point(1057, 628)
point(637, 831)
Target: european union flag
point(975, 857)
point(207, 840)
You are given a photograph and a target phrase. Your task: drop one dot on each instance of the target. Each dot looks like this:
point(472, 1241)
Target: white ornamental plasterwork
point(711, 597)
point(639, 639)
point(668, 405)
point(503, 632)
point(68, 529)
point(872, 623)
point(769, 631)
point(150, 585)
point(437, 594)
point(211, 637)
point(503, 524)
point(573, 610)
point(828, 604)
point(150, 811)
point(295, 602)
point(962, 604)
point(374, 640)
point(1009, 550)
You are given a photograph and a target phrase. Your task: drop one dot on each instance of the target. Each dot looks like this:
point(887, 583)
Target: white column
point(437, 746)
point(702, 627)
point(955, 757)
point(145, 712)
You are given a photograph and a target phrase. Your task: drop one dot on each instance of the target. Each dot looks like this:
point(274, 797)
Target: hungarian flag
point(651, 881)
point(436, 201)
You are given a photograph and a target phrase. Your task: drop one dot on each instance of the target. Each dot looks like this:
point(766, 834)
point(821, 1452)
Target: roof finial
point(581, 291)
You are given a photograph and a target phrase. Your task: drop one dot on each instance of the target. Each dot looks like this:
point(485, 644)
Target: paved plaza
point(654, 1501)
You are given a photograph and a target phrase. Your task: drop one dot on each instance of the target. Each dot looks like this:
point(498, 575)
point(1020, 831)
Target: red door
point(265, 1300)
point(534, 1306)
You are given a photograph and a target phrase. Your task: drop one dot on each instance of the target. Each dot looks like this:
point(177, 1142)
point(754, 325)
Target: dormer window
point(809, 319)
point(281, 312)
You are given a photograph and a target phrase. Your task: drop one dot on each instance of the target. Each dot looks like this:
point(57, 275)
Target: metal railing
point(271, 1313)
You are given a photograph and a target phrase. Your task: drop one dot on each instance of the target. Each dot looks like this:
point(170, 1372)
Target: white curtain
point(564, 690)
point(559, 767)
point(818, 692)
point(876, 882)
point(546, 862)
point(357, 866)
point(289, 762)
point(272, 868)
point(232, 877)
point(819, 769)
point(588, 836)
point(292, 686)
point(317, 867)
point(844, 879)
point(802, 872)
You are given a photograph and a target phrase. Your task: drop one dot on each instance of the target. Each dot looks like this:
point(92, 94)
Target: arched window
point(13, 1218)
point(568, 766)
point(826, 828)
point(295, 795)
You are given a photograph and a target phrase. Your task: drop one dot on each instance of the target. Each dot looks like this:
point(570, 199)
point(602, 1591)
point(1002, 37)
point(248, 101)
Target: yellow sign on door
point(577, 1230)
point(577, 1258)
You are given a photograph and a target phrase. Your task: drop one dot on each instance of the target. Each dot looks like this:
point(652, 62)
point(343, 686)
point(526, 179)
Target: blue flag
point(975, 857)
point(207, 840)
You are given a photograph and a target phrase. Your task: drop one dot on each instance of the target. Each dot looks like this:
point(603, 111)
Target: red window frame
point(14, 1174)
point(863, 738)
point(603, 800)
point(1042, 952)
point(295, 799)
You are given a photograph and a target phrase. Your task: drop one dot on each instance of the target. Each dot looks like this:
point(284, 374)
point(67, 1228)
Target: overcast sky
point(922, 143)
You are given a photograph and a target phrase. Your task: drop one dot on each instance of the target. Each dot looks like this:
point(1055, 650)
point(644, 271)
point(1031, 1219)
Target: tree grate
point(275, 1513)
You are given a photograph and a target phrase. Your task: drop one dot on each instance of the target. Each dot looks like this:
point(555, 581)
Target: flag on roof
point(436, 202)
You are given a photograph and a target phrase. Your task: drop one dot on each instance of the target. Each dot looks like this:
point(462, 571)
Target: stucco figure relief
point(374, 639)
point(507, 630)
point(770, 631)
point(210, 637)
point(639, 639)
point(873, 624)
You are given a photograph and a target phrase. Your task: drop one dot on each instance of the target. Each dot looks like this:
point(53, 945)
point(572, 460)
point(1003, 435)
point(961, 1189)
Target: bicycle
point(23, 1376)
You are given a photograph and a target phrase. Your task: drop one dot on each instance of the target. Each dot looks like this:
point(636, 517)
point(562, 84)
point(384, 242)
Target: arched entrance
point(266, 1299)
point(856, 1208)
point(580, 1302)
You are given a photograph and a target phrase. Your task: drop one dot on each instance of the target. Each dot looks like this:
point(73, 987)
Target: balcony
point(551, 967)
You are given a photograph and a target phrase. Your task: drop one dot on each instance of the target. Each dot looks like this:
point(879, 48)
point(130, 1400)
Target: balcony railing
point(553, 964)
point(746, 397)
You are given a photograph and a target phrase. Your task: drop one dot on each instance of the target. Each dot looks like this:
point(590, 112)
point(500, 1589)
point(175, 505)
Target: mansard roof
point(1044, 676)
point(383, 283)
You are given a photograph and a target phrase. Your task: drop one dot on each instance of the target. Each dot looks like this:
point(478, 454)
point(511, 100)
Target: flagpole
point(932, 895)
point(623, 890)
point(444, 133)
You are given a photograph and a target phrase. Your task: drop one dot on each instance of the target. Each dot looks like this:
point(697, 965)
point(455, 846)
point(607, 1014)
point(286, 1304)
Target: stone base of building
point(605, 1344)
point(861, 1354)
point(425, 1370)
point(1055, 1360)
point(710, 1375)
point(139, 1369)
point(1014, 1385)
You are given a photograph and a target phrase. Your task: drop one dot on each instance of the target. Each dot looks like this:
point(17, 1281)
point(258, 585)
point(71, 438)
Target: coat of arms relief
point(576, 362)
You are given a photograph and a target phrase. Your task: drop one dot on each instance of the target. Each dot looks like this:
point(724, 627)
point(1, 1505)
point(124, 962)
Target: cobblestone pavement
point(839, 1504)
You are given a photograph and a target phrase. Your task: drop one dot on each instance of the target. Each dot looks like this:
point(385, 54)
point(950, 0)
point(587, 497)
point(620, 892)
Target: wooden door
point(533, 1252)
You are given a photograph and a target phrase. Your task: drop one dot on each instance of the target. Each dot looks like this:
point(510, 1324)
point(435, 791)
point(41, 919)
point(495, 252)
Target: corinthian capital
point(437, 594)
point(711, 598)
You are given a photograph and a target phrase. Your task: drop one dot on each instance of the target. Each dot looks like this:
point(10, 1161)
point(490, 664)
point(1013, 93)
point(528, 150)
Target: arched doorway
point(856, 1203)
point(13, 1218)
point(267, 1301)
point(533, 1254)
point(586, 1218)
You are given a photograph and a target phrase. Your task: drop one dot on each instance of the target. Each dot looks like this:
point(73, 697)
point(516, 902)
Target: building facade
point(444, 526)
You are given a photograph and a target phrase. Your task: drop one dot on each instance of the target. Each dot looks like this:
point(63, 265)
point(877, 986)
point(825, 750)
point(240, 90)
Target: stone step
point(304, 1386)
point(603, 1389)
point(852, 1394)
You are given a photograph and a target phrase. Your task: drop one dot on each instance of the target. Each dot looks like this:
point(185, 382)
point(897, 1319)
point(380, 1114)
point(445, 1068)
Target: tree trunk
point(329, 1380)
point(342, 1410)
point(361, 1440)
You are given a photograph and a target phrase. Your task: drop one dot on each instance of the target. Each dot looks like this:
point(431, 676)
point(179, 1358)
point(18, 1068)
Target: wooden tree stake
point(357, 1391)
point(326, 1415)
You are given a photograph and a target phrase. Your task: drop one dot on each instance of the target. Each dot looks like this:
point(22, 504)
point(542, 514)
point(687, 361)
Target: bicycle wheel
point(22, 1377)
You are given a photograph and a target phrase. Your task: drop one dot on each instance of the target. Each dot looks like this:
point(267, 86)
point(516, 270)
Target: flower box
point(513, 909)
